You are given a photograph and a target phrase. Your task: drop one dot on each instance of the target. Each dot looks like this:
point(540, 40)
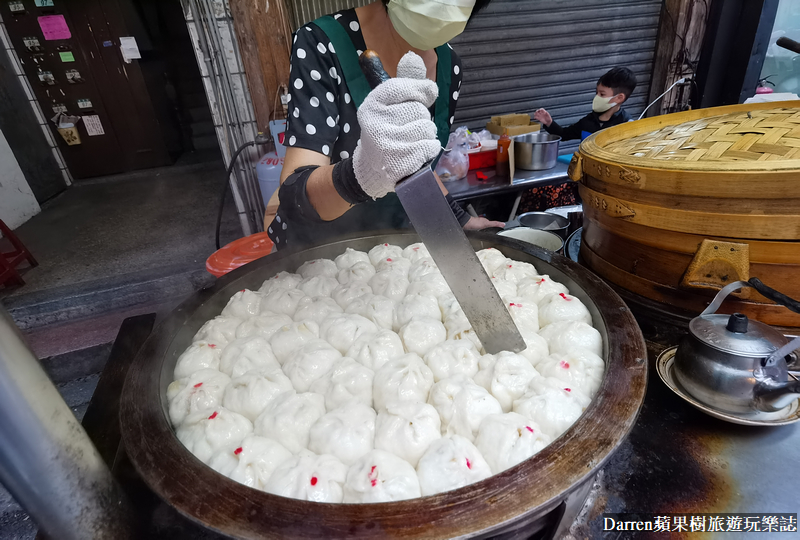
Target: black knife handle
point(372, 67)
point(777, 297)
point(788, 44)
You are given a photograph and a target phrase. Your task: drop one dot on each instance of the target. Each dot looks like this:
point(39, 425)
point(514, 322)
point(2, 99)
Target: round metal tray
point(787, 415)
point(510, 504)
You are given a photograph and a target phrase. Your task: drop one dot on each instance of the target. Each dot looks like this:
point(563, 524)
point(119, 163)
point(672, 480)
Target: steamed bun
point(218, 331)
point(374, 351)
point(310, 363)
point(505, 440)
point(407, 428)
point(423, 334)
point(246, 354)
point(404, 379)
point(347, 380)
point(562, 307)
point(316, 309)
point(199, 391)
point(199, 355)
point(346, 433)
point(318, 267)
point(351, 257)
point(289, 418)
point(450, 463)
point(252, 463)
point(309, 477)
point(243, 304)
point(283, 280)
point(551, 404)
point(564, 336)
point(453, 357)
point(506, 376)
point(380, 476)
point(462, 405)
point(206, 432)
point(263, 325)
point(251, 393)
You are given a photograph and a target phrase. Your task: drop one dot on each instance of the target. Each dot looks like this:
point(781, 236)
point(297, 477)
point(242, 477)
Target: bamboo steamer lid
point(678, 205)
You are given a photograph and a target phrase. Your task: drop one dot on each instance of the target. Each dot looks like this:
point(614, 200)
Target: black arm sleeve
point(296, 217)
point(344, 180)
point(569, 132)
point(461, 215)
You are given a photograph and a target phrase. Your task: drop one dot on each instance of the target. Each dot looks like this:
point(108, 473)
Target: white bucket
point(537, 237)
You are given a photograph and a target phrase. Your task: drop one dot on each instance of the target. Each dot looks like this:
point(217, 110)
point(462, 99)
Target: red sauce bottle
point(502, 155)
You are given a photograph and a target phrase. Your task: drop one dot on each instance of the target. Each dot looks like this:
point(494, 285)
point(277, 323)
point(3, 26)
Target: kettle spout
point(773, 396)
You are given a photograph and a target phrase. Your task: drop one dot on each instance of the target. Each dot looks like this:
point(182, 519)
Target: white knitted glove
point(397, 134)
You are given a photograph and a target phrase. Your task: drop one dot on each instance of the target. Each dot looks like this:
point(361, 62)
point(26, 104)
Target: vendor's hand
point(478, 223)
point(397, 134)
point(543, 116)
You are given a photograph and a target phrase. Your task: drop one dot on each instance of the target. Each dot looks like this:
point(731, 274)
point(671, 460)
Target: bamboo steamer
point(677, 206)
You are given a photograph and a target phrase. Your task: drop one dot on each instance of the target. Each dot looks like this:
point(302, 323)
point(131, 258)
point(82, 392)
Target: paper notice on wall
point(54, 27)
point(129, 48)
point(93, 125)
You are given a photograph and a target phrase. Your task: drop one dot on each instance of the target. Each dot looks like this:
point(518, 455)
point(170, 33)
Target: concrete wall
point(17, 203)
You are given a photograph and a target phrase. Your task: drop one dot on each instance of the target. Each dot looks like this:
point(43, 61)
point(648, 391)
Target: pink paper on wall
point(54, 27)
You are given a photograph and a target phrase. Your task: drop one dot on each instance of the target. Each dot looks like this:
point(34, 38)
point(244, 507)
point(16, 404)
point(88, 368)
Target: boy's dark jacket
point(590, 123)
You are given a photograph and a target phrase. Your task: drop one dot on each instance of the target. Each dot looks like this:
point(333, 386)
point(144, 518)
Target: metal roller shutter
point(520, 55)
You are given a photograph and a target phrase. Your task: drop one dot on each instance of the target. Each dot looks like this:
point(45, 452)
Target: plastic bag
point(453, 165)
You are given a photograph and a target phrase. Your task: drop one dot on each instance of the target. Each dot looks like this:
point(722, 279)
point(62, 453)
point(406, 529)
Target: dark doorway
point(135, 113)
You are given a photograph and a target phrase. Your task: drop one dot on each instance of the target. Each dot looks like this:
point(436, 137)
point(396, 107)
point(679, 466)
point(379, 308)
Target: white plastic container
point(268, 171)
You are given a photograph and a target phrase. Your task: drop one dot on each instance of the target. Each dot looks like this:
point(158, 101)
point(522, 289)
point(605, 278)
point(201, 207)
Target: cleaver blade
point(437, 226)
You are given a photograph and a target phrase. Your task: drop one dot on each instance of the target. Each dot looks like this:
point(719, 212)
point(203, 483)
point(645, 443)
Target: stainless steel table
point(470, 187)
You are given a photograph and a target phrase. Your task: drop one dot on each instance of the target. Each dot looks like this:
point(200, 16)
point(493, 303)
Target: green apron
point(386, 212)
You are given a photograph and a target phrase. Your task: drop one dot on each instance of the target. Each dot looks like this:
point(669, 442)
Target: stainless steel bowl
point(536, 151)
point(544, 239)
point(524, 501)
point(545, 221)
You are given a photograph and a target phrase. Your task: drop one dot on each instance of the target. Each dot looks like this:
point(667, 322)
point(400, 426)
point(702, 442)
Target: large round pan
point(506, 504)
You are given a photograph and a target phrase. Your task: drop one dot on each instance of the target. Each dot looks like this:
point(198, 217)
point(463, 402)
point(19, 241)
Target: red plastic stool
point(9, 260)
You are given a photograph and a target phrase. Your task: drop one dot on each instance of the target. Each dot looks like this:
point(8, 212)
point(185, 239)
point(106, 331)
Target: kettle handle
point(775, 296)
point(757, 284)
point(783, 351)
point(722, 295)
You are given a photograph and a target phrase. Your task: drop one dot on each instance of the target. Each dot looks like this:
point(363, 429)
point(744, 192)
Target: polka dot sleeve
point(455, 83)
point(314, 81)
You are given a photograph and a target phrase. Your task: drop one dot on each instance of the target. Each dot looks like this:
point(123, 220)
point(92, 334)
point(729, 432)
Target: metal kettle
point(735, 364)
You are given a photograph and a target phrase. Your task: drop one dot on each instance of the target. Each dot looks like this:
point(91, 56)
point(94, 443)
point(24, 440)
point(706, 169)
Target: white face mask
point(426, 24)
point(602, 104)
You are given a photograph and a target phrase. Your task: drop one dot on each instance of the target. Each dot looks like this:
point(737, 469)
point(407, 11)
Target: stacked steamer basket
point(679, 205)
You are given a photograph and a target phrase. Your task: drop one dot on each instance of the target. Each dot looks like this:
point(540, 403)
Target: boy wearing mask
point(613, 89)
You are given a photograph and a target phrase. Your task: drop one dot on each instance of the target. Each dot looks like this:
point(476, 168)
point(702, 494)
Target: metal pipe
point(192, 6)
point(234, 122)
point(47, 461)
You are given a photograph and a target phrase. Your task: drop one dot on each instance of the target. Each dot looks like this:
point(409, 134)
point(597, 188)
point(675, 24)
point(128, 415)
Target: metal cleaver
point(434, 221)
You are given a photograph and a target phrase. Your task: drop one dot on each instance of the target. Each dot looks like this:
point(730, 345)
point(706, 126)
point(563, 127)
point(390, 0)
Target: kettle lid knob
point(737, 323)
